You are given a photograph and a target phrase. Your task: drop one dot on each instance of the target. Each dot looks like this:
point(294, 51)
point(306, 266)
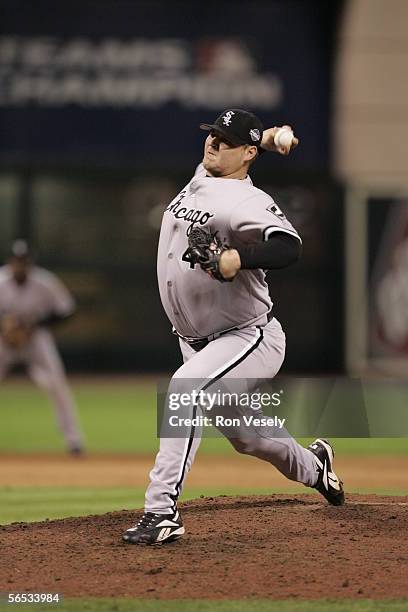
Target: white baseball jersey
point(196, 304)
point(41, 295)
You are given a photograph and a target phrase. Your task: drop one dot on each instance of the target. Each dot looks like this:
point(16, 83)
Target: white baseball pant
point(249, 353)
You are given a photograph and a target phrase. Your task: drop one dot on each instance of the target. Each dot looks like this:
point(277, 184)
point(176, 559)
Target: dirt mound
point(275, 547)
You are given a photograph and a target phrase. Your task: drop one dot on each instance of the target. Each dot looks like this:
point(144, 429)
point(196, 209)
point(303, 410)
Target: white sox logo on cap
point(228, 117)
point(255, 135)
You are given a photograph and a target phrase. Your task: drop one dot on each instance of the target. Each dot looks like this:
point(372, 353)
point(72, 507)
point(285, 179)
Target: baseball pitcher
point(32, 299)
point(218, 237)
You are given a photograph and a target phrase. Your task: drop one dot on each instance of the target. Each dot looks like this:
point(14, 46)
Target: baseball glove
point(205, 249)
point(13, 332)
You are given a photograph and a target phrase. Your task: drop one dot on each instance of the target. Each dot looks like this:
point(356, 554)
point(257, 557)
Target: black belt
point(199, 343)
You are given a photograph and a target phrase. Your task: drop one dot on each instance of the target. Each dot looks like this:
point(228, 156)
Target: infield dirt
point(277, 546)
point(361, 473)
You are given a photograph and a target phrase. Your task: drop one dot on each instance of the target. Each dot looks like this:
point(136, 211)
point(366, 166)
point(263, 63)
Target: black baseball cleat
point(328, 484)
point(76, 450)
point(155, 529)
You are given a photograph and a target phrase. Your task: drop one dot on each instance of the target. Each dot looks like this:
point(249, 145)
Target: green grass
point(118, 418)
point(197, 605)
point(27, 504)
point(115, 418)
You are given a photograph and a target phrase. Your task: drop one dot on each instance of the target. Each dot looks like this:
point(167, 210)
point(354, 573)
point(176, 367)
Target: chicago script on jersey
point(191, 215)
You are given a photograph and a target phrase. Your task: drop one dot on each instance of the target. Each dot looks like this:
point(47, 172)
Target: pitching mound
point(276, 547)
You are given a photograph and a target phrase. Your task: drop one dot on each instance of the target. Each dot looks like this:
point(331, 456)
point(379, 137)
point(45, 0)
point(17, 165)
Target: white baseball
point(283, 138)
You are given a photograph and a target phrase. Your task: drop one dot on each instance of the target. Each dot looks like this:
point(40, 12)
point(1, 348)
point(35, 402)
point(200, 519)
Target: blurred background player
point(31, 300)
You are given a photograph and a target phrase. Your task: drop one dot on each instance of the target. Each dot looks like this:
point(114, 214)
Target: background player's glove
point(14, 333)
point(205, 249)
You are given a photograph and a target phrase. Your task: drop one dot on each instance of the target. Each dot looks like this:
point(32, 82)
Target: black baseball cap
point(237, 126)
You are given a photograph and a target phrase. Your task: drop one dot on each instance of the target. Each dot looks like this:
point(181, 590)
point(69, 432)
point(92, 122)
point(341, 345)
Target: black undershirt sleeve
point(279, 251)
point(53, 318)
